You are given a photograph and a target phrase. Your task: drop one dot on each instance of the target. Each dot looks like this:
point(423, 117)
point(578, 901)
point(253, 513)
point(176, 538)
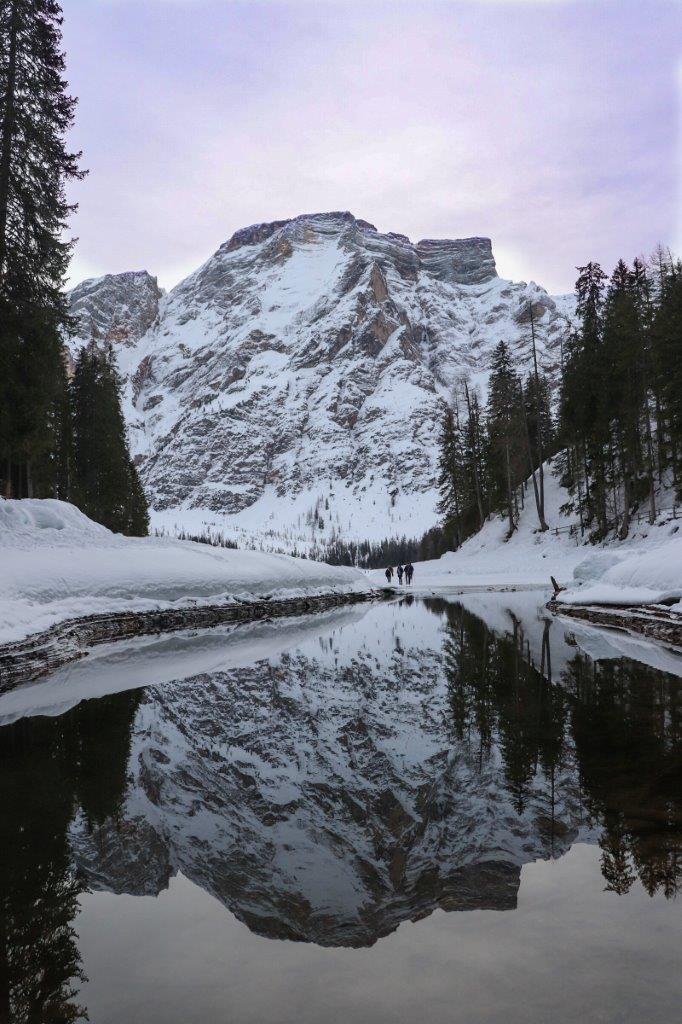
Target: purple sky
point(553, 127)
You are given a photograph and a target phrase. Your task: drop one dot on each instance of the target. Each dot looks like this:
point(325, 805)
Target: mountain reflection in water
point(413, 759)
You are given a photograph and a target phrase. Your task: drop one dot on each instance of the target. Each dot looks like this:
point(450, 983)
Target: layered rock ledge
point(26, 660)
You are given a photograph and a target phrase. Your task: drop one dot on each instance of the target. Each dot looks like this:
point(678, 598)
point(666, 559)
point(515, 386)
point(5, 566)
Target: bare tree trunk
point(660, 444)
point(627, 498)
point(650, 460)
point(510, 500)
point(541, 471)
point(477, 484)
point(580, 502)
point(539, 507)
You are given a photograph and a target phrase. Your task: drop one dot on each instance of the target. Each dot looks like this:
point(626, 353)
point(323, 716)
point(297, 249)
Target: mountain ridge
point(293, 384)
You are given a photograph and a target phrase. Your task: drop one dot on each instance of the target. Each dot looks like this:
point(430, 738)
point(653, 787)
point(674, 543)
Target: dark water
point(425, 810)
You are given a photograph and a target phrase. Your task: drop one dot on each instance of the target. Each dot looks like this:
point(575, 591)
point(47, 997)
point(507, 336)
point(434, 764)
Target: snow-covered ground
point(649, 574)
point(528, 558)
point(306, 522)
point(646, 568)
point(57, 564)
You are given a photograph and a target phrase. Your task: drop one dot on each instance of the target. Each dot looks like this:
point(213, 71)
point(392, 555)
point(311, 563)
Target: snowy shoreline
point(67, 583)
point(37, 655)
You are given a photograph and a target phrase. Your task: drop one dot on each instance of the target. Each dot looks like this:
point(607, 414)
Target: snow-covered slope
point(292, 387)
point(527, 558)
point(57, 564)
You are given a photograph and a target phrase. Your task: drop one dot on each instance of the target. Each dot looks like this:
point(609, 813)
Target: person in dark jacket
point(389, 574)
point(400, 570)
point(409, 572)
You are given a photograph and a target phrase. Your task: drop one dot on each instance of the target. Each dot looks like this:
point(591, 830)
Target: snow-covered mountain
point(292, 386)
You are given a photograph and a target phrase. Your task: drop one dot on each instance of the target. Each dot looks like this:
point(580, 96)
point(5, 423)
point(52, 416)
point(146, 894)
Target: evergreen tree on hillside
point(666, 359)
point(458, 471)
point(583, 401)
point(536, 411)
point(624, 352)
point(35, 115)
point(105, 481)
point(138, 512)
point(449, 476)
point(34, 160)
point(505, 462)
point(474, 448)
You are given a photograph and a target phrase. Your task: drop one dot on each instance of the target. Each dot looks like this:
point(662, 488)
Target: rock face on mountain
point(117, 308)
point(293, 385)
point(323, 796)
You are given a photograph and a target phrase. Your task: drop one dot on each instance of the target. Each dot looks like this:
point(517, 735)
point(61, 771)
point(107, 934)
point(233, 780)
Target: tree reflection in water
point(618, 721)
point(50, 770)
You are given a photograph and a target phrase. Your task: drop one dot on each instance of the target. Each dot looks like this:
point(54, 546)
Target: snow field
point(56, 564)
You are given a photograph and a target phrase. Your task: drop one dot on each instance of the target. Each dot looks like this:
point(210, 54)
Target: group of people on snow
point(407, 571)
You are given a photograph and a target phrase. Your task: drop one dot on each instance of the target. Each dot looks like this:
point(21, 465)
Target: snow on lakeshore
point(644, 569)
point(528, 558)
point(57, 564)
point(650, 574)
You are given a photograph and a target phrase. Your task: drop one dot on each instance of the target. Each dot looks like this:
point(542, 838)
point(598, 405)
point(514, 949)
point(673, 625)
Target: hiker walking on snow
point(389, 574)
point(409, 572)
point(399, 570)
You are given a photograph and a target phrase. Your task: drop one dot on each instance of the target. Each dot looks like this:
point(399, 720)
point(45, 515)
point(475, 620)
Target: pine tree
point(35, 115)
point(105, 481)
point(539, 485)
point(536, 410)
point(138, 514)
point(624, 350)
point(474, 444)
point(505, 463)
point(666, 360)
point(34, 161)
point(449, 505)
point(584, 415)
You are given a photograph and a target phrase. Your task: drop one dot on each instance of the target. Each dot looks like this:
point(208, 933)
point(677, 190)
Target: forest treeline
point(611, 421)
point(62, 434)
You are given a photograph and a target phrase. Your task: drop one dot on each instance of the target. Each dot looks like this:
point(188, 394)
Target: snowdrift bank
point(56, 564)
point(651, 574)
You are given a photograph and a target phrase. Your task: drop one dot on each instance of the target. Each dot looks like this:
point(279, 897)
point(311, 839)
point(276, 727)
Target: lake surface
point(442, 809)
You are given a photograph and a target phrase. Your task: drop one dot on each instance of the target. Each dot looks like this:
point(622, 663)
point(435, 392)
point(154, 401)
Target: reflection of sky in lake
point(571, 953)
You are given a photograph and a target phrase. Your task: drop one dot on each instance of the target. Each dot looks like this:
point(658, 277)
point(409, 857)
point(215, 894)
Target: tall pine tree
point(35, 165)
point(505, 462)
point(105, 482)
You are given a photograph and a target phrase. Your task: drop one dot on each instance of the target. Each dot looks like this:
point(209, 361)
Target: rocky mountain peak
point(457, 261)
point(116, 308)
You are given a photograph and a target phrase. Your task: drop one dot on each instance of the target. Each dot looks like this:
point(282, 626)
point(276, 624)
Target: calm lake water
point(433, 810)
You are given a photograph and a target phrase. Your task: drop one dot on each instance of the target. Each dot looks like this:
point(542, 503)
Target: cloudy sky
point(553, 126)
